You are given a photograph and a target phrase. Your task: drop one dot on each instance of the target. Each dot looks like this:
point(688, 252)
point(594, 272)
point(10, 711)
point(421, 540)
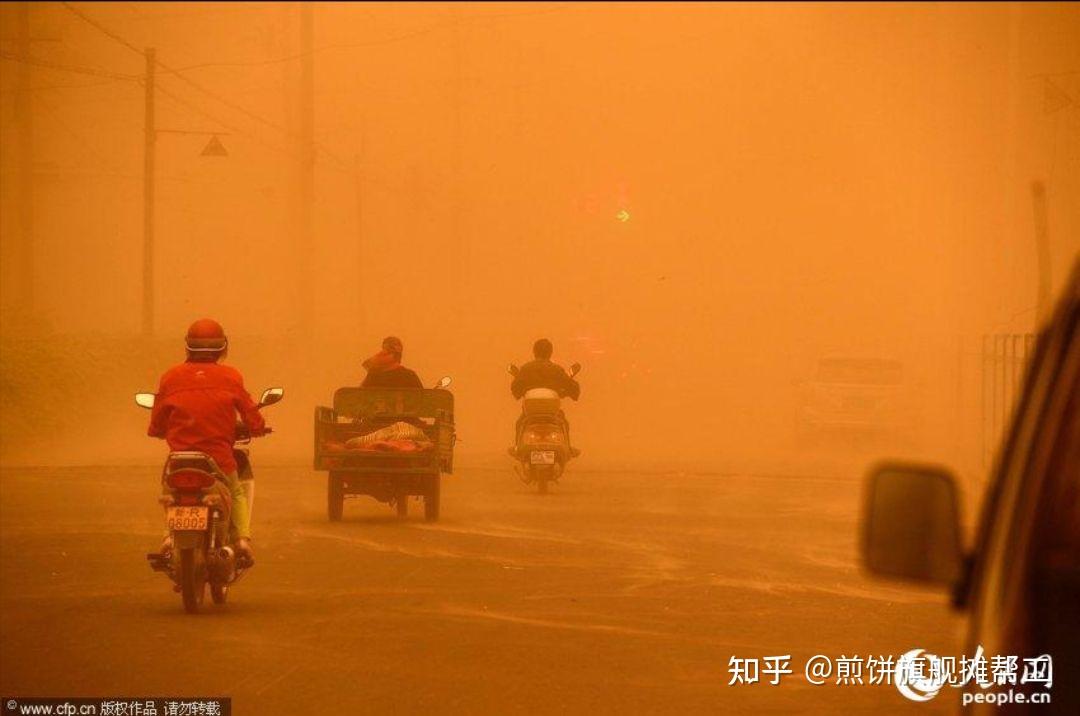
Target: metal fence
point(1004, 360)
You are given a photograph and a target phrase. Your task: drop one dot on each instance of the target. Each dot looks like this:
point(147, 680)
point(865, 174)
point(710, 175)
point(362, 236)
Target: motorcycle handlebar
point(244, 435)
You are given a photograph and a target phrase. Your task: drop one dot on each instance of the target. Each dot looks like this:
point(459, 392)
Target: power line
point(384, 41)
point(131, 46)
point(101, 28)
point(325, 48)
point(94, 71)
point(116, 37)
point(243, 110)
point(224, 100)
point(233, 128)
point(203, 10)
point(178, 73)
point(197, 109)
point(43, 88)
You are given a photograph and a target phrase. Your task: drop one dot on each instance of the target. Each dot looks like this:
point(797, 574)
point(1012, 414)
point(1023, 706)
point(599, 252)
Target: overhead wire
point(101, 28)
point(337, 162)
point(45, 88)
point(76, 69)
point(382, 41)
point(178, 73)
point(116, 37)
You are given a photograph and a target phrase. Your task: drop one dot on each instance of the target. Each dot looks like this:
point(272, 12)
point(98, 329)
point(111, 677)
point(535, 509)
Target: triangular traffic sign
point(214, 148)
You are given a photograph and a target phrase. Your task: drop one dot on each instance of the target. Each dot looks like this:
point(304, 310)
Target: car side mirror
point(271, 396)
point(512, 370)
point(443, 382)
point(575, 369)
point(145, 400)
point(911, 524)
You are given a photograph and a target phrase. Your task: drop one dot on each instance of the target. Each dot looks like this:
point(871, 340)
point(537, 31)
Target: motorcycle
point(197, 506)
point(542, 447)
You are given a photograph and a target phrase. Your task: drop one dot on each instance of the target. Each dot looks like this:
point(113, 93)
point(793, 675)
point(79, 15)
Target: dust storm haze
point(703, 204)
point(797, 181)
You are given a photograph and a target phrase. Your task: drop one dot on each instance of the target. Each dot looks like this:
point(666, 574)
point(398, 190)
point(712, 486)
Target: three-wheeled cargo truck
point(387, 443)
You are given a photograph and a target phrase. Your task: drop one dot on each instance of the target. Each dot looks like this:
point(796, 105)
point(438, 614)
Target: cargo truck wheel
point(431, 500)
point(335, 497)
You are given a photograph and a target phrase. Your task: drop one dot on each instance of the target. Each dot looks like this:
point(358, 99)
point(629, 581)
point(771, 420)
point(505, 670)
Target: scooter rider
point(196, 408)
point(542, 372)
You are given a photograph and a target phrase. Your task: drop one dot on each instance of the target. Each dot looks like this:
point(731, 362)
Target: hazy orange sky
point(797, 180)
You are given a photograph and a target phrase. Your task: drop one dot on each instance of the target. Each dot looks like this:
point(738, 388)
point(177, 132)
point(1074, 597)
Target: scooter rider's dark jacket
point(399, 377)
point(541, 373)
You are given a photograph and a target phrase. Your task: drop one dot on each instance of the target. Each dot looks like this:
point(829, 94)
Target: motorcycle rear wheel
point(192, 581)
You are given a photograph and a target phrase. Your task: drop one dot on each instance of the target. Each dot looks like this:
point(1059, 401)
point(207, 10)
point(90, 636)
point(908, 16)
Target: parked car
point(1020, 581)
point(854, 393)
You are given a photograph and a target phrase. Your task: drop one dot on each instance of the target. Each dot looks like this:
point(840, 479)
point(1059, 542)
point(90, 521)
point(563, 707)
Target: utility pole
point(459, 259)
point(306, 237)
point(358, 177)
point(24, 113)
point(149, 148)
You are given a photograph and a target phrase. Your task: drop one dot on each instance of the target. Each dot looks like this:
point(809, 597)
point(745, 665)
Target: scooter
point(198, 506)
point(542, 450)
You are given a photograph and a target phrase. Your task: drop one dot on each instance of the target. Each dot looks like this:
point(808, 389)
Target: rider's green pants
point(241, 510)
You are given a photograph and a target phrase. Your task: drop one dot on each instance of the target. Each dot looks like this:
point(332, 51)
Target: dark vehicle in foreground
point(542, 448)
point(198, 506)
point(1020, 582)
point(386, 443)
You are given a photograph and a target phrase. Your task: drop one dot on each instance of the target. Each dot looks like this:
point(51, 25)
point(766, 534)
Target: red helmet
point(206, 336)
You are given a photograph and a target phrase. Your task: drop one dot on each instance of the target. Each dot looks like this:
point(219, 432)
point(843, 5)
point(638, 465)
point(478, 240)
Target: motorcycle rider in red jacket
point(196, 408)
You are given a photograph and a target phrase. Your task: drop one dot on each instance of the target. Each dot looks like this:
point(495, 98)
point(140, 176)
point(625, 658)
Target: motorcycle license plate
point(187, 518)
point(542, 457)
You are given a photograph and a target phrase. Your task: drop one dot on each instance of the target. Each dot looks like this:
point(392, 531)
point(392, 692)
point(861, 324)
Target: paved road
point(617, 593)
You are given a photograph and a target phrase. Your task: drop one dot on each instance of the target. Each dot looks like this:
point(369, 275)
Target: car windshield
point(862, 371)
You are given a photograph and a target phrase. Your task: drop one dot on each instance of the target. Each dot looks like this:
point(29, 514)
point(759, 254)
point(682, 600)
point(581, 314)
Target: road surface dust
point(618, 592)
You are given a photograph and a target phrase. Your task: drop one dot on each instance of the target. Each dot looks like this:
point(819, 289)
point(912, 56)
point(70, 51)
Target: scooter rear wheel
point(219, 593)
